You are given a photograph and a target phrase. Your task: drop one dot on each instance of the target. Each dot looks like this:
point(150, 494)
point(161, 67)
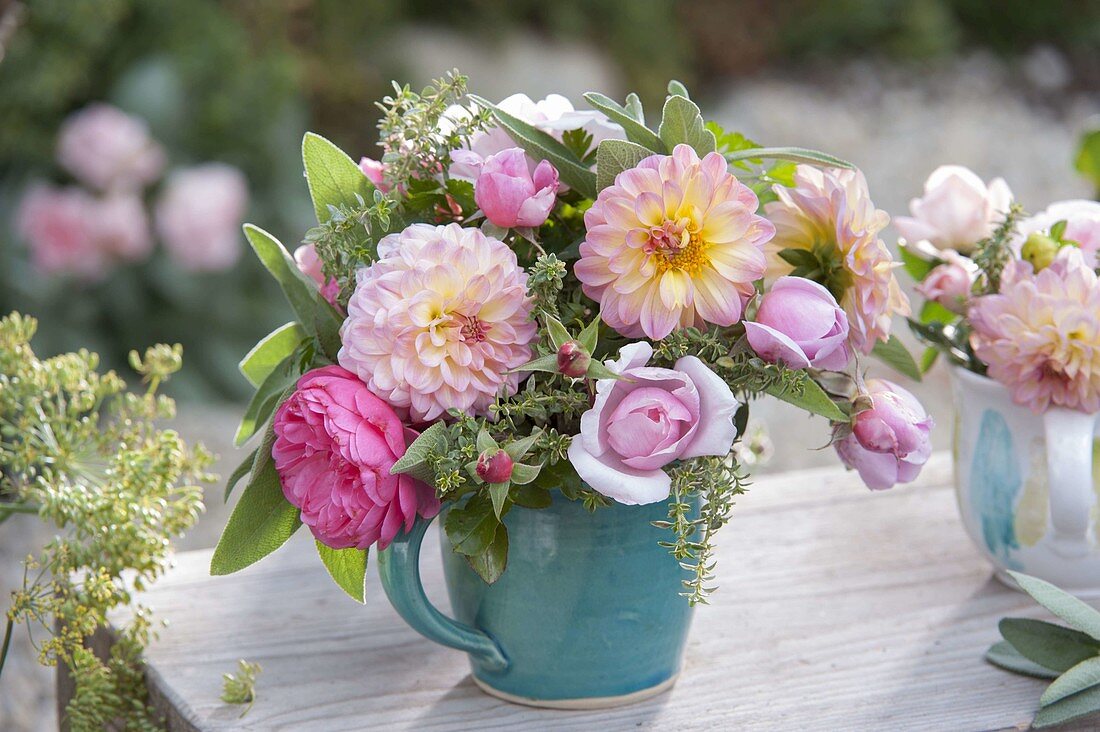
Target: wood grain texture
point(839, 609)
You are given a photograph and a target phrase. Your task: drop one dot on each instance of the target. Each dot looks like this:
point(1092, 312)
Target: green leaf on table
point(1052, 646)
point(1075, 612)
point(472, 526)
point(541, 146)
point(498, 493)
point(415, 460)
point(791, 154)
point(1072, 707)
point(615, 156)
point(635, 130)
point(1082, 676)
point(809, 396)
point(261, 522)
point(682, 123)
point(918, 267)
point(1005, 655)
point(334, 179)
point(300, 291)
point(491, 563)
point(275, 347)
point(347, 567)
point(239, 472)
point(894, 354)
point(265, 401)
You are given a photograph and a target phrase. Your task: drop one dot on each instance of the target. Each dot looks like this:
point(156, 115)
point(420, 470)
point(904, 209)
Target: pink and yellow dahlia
point(1040, 335)
point(830, 214)
point(675, 242)
point(438, 321)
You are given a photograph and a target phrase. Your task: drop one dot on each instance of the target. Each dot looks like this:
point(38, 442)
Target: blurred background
point(218, 94)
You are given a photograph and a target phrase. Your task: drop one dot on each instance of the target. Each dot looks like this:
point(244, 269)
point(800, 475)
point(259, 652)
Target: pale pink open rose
point(956, 211)
point(199, 215)
point(335, 443)
point(56, 225)
point(310, 265)
point(800, 324)
point(890, 442)
point(108, 149)
point(511, 195)
point(647, 419)
point(120, 226)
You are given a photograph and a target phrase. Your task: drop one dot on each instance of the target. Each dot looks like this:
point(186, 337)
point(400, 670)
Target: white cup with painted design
point(1027, 484)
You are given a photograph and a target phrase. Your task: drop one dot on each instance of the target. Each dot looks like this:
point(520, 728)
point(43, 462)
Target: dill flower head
point(675, 242)
point(1040, 335)
point(829, 215)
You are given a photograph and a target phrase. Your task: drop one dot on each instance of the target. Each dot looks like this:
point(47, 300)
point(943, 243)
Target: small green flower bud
point(1040, 250)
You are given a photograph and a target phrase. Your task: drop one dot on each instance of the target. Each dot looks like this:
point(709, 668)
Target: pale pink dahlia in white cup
point(1040, 335)
point(675, 242)
point(829, 212)
point(439, 321)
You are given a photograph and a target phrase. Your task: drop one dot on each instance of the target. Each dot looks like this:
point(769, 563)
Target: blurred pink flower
point(120, 227)
point(643, 422)
point(438, 321)
point(375, 172)
point(310, 265)
point(199, 215)
point(1082, 226)
point(949, 283)
point(675, 242)
point(55, 222)
point(554, 115)
point(511, 195)
point(891, 441)
point(1040, 335)
point(108, 149)
point(829, 213)
point(956, 212)
point(799, 324)
point(335, 443)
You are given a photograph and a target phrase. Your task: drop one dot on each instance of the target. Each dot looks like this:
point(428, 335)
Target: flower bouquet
point(545, 325)
point(1013, 304)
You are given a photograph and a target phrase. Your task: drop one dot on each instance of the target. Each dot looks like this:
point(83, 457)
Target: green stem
point(6, 511)
point(7, 644)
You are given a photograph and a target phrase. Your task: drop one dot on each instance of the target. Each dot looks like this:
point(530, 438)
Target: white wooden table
point(839, 609)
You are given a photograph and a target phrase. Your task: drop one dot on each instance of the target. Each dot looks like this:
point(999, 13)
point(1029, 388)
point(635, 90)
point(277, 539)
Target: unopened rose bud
point(1040, 250)
point(573, 359)
point(494, 467)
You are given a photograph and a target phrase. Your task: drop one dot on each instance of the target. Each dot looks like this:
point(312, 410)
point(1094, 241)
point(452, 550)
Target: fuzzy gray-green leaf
point(300, 291)
point(615, 156)
point(1005, 655)
point(1075, 612)
point(348, 569)
point(635, 131)
point(261, 522)
point(1072, 707)
point(792, 154)
point(333, 177)
point(270, 352)
point(682, 123)
point(1053, 646)
point(1082, 676)
point(433, 439)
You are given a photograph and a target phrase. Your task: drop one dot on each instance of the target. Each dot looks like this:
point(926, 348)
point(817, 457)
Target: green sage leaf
point(275, 347)
point(1075, 612)
point(261, 522)
point(792, 154)
point(1053, 646)
point(348, 569)
point(894, 354)
point(433, 439)
point(485, 441)
point(1005, 655)
point(615, 156)
point(677, 88)
point(682, 123)
point(334, 179)
point(635, 130)
point(264, 402)
point(1070, 708)
point(239, 472)
point(300, 291)
point(1082, 676)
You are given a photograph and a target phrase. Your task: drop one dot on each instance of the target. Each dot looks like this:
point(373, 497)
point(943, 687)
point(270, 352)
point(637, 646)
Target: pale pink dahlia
point(438, 321)
point(1040, 335)
point(675, 242)
point(829, 213)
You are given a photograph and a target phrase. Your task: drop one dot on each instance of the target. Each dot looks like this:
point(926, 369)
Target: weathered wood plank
point(839, 609)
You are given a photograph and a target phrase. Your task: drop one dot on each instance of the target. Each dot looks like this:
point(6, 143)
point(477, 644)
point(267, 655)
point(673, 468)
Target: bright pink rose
point(510, 194)
point(199, 215)
point(646, 420)
point(949, 284)
point(120, 226)
point(108, 149)
point(309, 263)
point(55, 222)
point(375, 172)
point(335, 443)
point(890, 441)
point(800, 324)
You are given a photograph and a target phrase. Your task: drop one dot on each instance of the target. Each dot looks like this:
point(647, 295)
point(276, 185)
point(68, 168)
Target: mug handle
point(399, 569)
point(1069, 438)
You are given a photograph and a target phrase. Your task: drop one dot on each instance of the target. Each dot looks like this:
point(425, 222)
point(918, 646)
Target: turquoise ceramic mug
point(586, 615)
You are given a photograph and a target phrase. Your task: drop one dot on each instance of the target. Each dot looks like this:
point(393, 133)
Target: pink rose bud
point(800, 325)
point(510, 194)
point(375, 172)
point(890, 441)
point(949, 285)
point(573, 359)
point(494, 467)
point(310, 265)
